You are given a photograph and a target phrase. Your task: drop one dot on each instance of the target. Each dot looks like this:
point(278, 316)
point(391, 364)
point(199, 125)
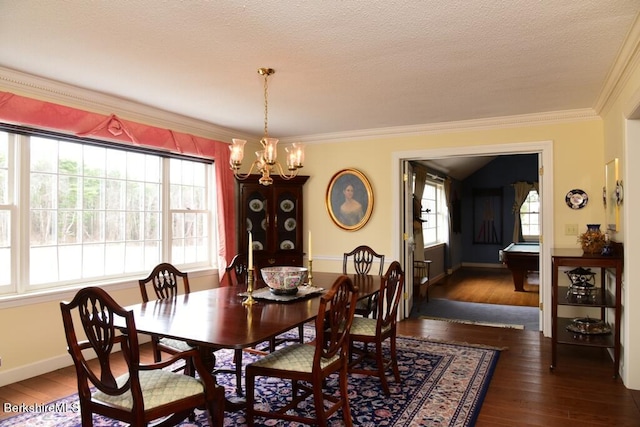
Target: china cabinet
point(273, 215)
point(579, 292)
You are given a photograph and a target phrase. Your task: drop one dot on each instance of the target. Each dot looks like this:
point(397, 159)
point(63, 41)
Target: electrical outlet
point(571, 229)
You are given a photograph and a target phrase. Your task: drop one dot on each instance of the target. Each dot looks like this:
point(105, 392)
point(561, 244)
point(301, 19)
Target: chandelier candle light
point(266, 162)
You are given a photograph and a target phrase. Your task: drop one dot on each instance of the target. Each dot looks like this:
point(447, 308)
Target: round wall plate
point(576, 199)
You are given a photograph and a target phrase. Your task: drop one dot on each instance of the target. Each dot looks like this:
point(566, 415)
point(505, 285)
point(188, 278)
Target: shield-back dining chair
point(377, 331)
point(236, 274)
point(363, 258)
point(146, 392)
point(308, 365)
point(165, 281)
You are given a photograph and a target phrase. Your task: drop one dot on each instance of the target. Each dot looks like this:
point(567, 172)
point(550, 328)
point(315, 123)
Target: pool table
point(520, 258)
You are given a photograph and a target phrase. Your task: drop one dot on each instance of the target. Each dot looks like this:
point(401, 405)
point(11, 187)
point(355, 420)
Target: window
point(95, 213)
point(5, 212)
point(530, 217)
point(434, 213)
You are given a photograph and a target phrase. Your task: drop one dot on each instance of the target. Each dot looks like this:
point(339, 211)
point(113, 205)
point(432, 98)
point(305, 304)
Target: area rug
point(442, 384)
point(478, 312)
point(475, 322)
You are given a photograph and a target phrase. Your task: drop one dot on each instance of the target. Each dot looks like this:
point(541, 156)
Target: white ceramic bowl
point(284, 280)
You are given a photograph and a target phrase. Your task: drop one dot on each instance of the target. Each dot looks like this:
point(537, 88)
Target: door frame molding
point(544, 149)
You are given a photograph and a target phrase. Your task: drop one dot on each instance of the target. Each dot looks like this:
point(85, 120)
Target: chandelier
point(266, 163)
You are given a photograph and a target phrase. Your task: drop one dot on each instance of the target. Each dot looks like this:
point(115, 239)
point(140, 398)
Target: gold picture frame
point(349, 199)
point(612, 195)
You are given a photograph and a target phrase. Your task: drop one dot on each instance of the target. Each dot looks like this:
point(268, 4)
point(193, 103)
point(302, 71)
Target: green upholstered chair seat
point(365, 326)
point(177, 344)
point(295, 357)
point(158, 388)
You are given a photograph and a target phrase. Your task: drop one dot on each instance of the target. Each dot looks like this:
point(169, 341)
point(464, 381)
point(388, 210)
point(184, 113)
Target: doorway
point(544, 150)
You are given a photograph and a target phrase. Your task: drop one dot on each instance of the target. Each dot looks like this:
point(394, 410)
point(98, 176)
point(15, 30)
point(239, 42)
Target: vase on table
point(592, 240)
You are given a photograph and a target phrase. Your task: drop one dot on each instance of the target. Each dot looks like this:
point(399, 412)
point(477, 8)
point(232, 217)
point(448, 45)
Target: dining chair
point(165, 281)
point(421, 278)
point(146, 392)
point(309, 365)
point(362, 258)
point(377, 331)
point(236, 274)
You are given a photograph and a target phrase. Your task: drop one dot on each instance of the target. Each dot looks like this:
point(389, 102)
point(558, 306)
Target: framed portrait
point(349, 199)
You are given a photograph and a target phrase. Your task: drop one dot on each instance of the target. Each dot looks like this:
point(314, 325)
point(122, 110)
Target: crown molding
point(626, 61)
point(61, 93)
point(538, 119)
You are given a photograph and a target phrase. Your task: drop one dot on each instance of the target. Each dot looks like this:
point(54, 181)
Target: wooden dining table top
point(217, 318)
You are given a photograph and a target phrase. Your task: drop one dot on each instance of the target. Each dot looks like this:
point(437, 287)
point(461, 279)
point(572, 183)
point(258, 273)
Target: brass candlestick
point(310, 273)
point(249, 300)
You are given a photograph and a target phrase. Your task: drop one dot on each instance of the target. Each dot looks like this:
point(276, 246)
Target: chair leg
point(381, 368)
point(318, 401)
point(189, 368)
point(301, 334)
point(237, 360)
point(344, 395)
point(86, 416)
point(249, 382)
point(394, 359)
point(156, 351)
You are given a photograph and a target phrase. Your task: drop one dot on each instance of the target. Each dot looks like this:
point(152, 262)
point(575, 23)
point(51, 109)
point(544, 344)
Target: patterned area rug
point(475, 322)
point(442, 384)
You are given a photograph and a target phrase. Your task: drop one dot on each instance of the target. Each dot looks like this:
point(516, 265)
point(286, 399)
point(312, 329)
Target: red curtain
point(20, 110)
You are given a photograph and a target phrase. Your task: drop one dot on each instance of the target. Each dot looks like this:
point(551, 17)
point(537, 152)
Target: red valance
point(20, 110)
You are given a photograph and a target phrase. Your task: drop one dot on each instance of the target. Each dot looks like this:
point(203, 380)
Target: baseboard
point(40, 367)
point(483, 265)
point(24, 372)
point(435, 279)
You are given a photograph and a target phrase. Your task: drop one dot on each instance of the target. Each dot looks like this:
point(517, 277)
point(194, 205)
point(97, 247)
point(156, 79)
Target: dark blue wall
point(497, 174)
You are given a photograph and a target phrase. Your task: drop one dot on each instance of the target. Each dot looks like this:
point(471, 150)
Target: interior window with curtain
point(434, 213)
point(530, 217)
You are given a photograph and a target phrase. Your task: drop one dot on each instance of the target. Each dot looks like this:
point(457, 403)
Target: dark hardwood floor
point(522, 392)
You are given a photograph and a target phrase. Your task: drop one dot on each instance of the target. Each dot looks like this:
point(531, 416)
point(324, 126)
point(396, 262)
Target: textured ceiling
point(341, 66)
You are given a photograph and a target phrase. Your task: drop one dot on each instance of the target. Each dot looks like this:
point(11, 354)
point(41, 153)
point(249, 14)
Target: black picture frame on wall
point(487, 216)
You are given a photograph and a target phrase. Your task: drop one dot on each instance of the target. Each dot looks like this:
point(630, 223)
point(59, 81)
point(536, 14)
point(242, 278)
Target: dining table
point(216, 318)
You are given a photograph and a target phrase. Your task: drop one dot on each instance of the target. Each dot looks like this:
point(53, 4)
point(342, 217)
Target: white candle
point(250, 267)
point(310, 256)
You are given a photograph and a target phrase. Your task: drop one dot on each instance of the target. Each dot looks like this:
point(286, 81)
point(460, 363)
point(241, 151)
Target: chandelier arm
point(292, 173)
point(242, 176)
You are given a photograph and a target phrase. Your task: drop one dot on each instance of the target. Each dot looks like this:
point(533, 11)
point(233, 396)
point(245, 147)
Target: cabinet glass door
point(257, 219)
point(287, 221)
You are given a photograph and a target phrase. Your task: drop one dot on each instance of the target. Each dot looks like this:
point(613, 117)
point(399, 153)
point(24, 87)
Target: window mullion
point(23, 214)
point(165, 212)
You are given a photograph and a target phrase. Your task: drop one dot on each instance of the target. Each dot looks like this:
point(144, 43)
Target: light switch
point(571, 229)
